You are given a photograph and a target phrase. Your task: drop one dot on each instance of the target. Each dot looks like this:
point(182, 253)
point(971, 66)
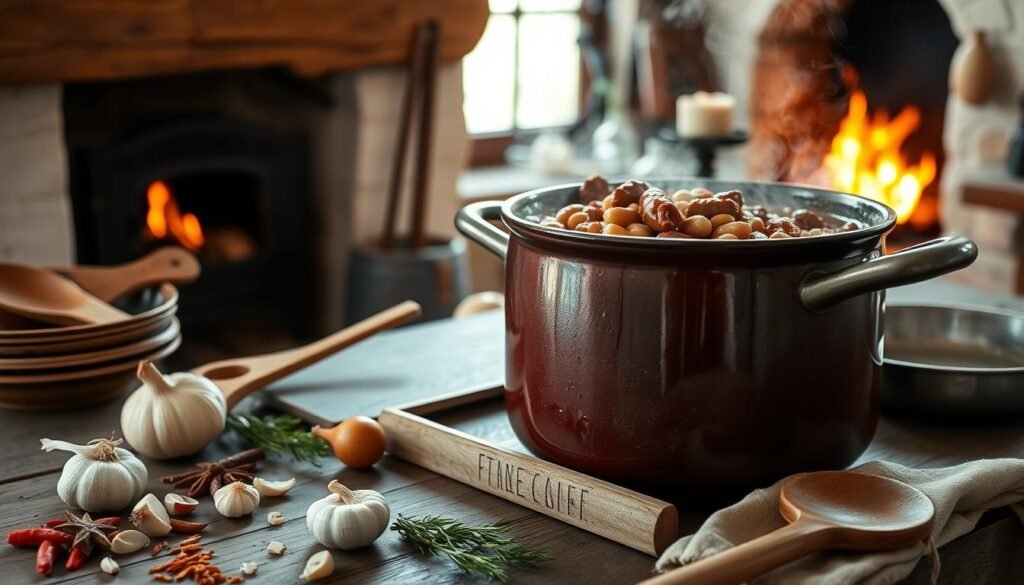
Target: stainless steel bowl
point(953, 360)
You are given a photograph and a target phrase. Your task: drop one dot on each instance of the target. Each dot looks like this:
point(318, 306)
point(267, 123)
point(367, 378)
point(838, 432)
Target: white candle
point(704, 114)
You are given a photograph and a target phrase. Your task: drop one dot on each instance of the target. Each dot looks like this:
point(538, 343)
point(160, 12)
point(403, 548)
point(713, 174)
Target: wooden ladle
point(109, 283)
point(237, 378)
point(40, 294)
point(825, 510)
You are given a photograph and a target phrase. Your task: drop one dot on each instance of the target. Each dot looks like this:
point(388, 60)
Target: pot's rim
point(871, 231)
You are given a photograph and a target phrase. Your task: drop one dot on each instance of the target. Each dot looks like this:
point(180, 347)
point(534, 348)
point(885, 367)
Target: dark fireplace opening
point(209, 162)
point(220, 214)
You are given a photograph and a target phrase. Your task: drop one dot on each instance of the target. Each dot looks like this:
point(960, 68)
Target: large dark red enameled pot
point(698, 363)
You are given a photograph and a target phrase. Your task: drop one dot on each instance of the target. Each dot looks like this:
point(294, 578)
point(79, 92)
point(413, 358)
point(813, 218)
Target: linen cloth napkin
point(960, 495)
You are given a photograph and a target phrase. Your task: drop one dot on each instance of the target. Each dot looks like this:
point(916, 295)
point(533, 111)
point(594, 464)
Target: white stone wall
point(977, 137)
point(35, 209)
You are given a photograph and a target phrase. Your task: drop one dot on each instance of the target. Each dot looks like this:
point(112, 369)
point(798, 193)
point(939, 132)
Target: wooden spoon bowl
point(40, 294)
point(825, 510)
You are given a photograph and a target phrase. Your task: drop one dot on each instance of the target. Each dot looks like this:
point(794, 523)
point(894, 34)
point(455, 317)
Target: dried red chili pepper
point(33, 537)
point(76, 559)
point(45, 557)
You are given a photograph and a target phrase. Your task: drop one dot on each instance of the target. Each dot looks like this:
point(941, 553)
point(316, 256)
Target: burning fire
point(163, 217)
point(866, 160)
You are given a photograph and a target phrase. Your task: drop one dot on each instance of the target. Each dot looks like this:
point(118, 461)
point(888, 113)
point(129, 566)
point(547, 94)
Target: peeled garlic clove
point(128, 541)
point(275, 518)
point(318, 566)
point(150, 517)
point(110, 566)
point(249, 568)
point(236, 499)
point(276, 548)
point(271, 488)
point(179, 505)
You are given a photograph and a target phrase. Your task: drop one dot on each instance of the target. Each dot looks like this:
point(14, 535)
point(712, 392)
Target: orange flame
point(163, 216)
point(866, 160)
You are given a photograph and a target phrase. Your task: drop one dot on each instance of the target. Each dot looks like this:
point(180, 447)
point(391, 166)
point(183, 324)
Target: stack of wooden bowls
point(63, 367)
point(52, 366)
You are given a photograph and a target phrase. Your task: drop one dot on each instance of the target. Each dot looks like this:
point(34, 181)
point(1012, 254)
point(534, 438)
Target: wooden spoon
point(44, 296)
point(825, 510)
point(109, 283)
point(237, 378)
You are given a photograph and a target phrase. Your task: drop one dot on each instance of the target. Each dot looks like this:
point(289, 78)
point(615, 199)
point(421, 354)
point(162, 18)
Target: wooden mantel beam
point(81, 40)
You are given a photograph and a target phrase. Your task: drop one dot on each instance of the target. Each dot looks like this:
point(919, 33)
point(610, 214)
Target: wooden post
point(624, 516)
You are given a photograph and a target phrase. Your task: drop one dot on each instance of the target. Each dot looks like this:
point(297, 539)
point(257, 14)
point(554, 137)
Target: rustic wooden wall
point(66, 40)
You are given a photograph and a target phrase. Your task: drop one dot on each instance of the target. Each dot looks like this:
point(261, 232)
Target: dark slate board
point(443, 363)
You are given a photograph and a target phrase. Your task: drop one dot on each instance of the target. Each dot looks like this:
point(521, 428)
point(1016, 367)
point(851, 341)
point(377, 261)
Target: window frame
point(488, 148)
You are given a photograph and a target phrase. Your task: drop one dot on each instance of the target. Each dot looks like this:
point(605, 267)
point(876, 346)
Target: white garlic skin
point(348, 519)
point(100, 477)
point(174, 415)
point(236, 499)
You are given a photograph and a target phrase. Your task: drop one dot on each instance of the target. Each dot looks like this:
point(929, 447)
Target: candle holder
point(706, 147)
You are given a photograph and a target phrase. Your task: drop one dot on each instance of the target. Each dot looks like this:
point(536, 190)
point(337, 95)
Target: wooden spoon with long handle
point(237, 378)
point(42, 295)
point(825, 510)
point(109, 283)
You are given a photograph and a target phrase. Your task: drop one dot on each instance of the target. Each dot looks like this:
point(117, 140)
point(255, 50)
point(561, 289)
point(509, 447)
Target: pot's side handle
point(472, 221)
point(921, 262)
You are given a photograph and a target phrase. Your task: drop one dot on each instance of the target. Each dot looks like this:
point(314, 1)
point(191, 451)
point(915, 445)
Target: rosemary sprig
point(485, 550)
point(274, 434)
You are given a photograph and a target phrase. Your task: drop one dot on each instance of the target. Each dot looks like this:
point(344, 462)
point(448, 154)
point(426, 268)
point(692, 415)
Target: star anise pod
point(87, 533)
point(210, 476)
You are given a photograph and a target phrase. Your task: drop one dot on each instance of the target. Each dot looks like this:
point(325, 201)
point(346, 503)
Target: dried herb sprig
point(275, 434)
point(485, 550)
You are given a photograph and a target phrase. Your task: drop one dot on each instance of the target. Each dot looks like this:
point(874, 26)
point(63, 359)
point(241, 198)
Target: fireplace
point(832, 103)
point(177, 164)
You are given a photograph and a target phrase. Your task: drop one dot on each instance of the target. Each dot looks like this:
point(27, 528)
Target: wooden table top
point(28, 478)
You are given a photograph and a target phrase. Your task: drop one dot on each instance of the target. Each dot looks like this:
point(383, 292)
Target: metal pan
point(953, 361)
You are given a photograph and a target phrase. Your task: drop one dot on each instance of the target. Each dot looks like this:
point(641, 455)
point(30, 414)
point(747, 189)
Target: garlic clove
point(149, 520)
point(154, 503)
point(275, 518)
point(109, 566)
point(179, 505)
point(271, 488)
point(276, 548)
point(128, 541)
point(249, 568)
point(318, 566)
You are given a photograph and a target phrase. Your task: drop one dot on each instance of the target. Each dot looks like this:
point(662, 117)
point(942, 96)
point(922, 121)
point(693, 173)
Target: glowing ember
point(866, 160)
point(163, 217)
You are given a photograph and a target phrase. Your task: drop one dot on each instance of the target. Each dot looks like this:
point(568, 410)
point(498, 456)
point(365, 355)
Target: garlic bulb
point(150, 516)
point(101, 477)
point(319, 566)
point(236, 499)
point(348, 519)
point(174, 415)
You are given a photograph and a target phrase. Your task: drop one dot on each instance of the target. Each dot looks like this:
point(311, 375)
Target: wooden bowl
point(146, 305)
point(142, 330)
point(45, 364)
point(76, 388)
